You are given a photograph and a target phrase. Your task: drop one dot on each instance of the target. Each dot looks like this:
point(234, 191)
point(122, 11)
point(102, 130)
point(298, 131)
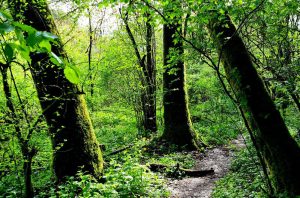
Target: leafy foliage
point(270, 34)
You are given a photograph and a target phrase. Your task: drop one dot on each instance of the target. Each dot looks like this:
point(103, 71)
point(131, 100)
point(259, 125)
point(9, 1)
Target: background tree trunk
point(177, 123)
point(279, 150)
point(150, 111)
point(148, 81)
point(74, 142)
point(27, 152)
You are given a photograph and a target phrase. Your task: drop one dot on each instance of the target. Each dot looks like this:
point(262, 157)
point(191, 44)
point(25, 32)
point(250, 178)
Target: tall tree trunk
point(147, 63)
point(91, 39)
point(27, 152)
point(150, 110)
point(73, 139)
point(279, 150)
point(177, 123)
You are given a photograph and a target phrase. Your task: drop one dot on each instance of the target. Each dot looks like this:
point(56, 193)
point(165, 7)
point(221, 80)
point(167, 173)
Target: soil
point(218, 158)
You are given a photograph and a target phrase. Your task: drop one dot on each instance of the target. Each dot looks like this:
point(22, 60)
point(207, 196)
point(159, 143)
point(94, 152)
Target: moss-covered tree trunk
point(279, 150)
point(177, 124)
point(74, 142)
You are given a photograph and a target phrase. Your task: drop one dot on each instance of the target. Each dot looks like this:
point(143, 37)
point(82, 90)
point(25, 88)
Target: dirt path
point(217, 158)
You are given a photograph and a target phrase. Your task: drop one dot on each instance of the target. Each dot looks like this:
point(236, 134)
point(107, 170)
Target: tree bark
point(91, 39)
point(150, 111)
point(177, 123)
point(295, 98)
point(73, 139)
point(279, 150)
point(147, 63)
point(27, 152)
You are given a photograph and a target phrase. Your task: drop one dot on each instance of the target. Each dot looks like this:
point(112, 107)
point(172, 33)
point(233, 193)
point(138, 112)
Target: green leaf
point(34, 38)
point(25, 28)
point(20, 36)
point(5, 15)
point(25, 53)
point(9, 52)
point(71, 74)
point(48, 35)
point(56, 60)
point(23, 50)
point(45, 46)
point(39, 37)
point(6, 27)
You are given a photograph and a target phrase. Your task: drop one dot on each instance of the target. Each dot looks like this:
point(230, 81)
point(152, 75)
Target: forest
point(150, 98)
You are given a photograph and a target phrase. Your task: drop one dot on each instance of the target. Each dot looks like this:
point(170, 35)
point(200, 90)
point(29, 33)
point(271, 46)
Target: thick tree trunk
point(73, 139)
point(177, 123)
point(279, 150)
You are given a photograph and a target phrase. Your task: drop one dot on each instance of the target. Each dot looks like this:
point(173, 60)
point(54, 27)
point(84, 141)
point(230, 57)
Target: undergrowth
point(126, 174)
point(122, 178)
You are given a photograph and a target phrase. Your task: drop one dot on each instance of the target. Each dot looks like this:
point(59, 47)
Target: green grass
point(115, 127)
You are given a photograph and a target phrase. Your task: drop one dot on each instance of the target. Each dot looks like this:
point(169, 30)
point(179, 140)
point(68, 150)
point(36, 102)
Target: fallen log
point(182, 171)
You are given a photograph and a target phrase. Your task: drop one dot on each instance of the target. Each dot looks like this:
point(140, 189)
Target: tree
point(75, 146)
point(148, 66)
point(150, 78)
point(27, 152)
point(177, 123)
point(275, 35)
point(278, 149)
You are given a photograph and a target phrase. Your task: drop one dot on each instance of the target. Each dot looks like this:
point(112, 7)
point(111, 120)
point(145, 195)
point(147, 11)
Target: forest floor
point(217, 158)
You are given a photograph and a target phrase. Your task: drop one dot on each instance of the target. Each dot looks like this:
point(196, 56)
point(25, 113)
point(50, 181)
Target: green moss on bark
point(177, 124)
point(279, 150)
point(74, 142)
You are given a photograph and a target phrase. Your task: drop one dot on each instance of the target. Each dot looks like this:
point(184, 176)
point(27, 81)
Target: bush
point(124, 177)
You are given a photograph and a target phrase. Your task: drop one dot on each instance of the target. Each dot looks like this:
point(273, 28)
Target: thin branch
point(19, 96)
point(131, 37)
